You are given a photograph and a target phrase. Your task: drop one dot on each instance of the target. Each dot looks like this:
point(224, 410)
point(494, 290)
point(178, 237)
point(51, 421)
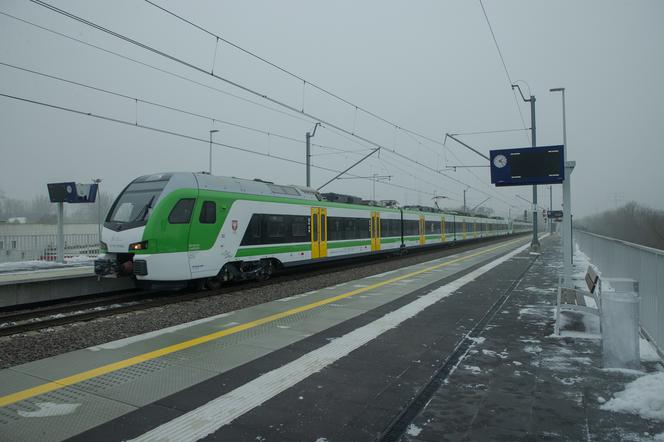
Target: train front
point(131, 226)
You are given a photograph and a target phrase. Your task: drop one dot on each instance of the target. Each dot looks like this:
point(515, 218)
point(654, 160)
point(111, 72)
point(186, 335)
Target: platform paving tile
point(522, 383)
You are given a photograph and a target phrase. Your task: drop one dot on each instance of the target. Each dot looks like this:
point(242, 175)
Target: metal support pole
point(309, 136)
point(568, 255)
point(61, 233)
point(464, 200)
point(535, 242)
point(308, 160)
point(550, 208)
point(210, 165)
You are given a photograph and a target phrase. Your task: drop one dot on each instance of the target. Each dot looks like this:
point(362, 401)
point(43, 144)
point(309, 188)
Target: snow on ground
point(648, 352)
point(643, 396)
point(413, 430)
point(22, 266)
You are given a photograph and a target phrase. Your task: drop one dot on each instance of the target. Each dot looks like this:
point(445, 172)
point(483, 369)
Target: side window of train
point(300, 228)
point(208, 213)
point(252, 235)
point(181, 213)
point(276, 227)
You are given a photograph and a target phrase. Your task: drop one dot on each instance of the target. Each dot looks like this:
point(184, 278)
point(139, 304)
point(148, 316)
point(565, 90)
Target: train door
point(474, 230)
point(374, 227)
point(318, 232)
point(422, 230)
point(442, 229)
point(464, 235)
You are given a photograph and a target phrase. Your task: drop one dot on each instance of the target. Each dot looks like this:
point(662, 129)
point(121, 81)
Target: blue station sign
point(527, 166)
point(71, 192)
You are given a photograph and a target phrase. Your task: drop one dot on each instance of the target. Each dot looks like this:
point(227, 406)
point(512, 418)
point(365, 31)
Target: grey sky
point(429, 66)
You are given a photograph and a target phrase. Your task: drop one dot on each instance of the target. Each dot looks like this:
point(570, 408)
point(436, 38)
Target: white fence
point(622, 259)
point(43, 247)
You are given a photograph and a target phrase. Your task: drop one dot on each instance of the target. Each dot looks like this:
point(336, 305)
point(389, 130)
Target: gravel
point(41, 344)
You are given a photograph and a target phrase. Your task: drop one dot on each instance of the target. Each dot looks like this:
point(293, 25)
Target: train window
point(411, 227)
point(390, 227)
point(276, 226)
point(208, 213)
point(299, 227)
point(181, 213)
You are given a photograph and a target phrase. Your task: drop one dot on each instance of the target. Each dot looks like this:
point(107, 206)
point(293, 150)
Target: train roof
point(268, 188)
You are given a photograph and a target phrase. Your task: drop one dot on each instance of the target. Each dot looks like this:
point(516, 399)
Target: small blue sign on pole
point(527, 166)
point(72, 193)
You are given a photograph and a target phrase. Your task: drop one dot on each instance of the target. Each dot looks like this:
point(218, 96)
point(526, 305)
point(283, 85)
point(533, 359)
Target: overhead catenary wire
point(155, 68)
point(234, 83)
point(171, 108)
point(285, 71)
point(502, 59)
point(180, 135)
point(240, 86)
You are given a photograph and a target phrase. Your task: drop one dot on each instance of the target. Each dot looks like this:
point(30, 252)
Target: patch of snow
point(532, 349)
point(574, 334)
point(27, 266)
point(643, 396)
point(321, 439)
point(473, 369)
point(660, 436)
point(600, 399)
point(413, 430)
point(648, 352)
point(49, 409)
point(479, 340)
point(489, 352)
point(625, 371)
point(517, 363)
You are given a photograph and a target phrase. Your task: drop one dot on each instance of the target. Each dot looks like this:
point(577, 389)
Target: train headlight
point(138, 246)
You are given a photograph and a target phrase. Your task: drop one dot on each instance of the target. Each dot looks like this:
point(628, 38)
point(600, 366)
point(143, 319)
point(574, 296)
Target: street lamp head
point(557, 89)
point(214, 131)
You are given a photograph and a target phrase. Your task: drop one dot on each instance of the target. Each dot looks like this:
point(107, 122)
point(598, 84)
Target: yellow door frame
point(463, 229)
point(318, 232)
point(375, 231)
point(442, 229)
point(422, 230)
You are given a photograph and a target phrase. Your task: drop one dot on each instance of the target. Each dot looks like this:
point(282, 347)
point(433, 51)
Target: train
point(187, 227)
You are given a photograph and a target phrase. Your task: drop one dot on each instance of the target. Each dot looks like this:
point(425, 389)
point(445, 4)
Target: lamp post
point(213, 131)
point(534, 244)
point(567, 202)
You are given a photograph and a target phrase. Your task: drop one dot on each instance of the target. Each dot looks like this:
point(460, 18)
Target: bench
point(572, 299)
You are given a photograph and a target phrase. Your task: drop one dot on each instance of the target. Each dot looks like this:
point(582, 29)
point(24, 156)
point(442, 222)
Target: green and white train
point(175, 227)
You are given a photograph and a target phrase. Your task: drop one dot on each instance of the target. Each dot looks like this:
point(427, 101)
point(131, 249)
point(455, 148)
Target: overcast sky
point(428, 66)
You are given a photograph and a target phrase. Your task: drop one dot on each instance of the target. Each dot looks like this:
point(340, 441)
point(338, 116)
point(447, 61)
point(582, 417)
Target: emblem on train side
point(234, 225)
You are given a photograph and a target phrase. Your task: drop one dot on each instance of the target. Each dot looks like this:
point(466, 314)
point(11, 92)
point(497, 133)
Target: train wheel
point(213, 283)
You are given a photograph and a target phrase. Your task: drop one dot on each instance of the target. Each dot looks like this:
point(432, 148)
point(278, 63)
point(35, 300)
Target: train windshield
point(134, 205)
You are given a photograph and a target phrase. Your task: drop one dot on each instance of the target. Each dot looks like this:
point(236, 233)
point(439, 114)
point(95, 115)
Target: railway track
point(69, 312)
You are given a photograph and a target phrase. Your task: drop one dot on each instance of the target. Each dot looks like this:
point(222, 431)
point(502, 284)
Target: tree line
point(40, 210)
point(632, 222)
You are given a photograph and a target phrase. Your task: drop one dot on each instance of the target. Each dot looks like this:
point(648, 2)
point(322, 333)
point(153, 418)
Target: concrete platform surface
point(168, 372)
point(466, 335)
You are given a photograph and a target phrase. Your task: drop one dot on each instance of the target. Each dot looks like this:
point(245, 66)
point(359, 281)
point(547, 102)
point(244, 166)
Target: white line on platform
point(208, 418)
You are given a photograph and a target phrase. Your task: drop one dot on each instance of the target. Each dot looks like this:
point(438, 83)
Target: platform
point(340, 363)
point(26, 287)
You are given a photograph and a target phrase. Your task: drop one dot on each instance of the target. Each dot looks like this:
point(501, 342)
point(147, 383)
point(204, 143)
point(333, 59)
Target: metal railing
point(617, 258)
point(43, 247)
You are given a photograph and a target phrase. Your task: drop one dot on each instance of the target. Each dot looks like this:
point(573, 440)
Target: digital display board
point(527, 166)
